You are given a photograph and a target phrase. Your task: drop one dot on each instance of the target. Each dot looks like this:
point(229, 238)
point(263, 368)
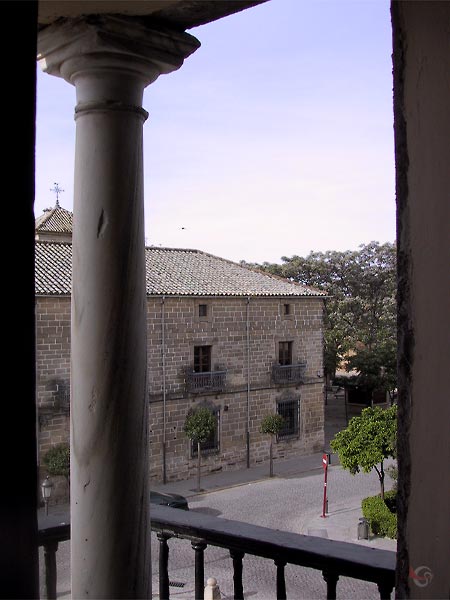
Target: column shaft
point(109, 499)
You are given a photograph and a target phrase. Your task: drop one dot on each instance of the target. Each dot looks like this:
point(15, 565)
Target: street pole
point(325, 468)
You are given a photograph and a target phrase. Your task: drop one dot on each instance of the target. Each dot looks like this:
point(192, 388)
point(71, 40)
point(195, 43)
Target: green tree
point(368, 441)
point(360, 312)
point(200, 424)
point(271, 425)
point(376, 367)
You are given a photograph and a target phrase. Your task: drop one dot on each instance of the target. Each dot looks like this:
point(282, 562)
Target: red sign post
point(325, 469)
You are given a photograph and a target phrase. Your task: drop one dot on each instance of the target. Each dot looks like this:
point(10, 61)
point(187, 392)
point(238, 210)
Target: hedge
point(57, 460)
point(378, 512)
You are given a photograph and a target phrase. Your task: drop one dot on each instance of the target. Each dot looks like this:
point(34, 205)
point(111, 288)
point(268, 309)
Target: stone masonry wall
point(225, 329)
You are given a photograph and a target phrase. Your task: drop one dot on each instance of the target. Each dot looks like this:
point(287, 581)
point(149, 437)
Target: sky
point(275, 138)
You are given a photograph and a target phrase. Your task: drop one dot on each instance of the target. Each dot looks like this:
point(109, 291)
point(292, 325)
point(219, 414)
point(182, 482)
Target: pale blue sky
point(275, 138)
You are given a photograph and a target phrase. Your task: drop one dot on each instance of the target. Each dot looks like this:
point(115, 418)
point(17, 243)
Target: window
point(286, 310)
point(290, 411)
point(212, 444)
point(202, 310)
point(285, 353)
point(202, 359)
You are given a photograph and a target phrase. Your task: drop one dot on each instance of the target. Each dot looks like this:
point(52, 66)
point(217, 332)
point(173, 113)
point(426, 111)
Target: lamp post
point(46, 488)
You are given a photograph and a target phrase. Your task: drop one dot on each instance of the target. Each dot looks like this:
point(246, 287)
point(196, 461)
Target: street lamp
point(46, 487)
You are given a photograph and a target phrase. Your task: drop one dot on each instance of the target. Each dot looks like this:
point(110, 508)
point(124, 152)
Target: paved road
point(290, 504)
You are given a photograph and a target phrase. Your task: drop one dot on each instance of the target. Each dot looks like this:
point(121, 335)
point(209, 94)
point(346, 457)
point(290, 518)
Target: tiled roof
point(55, 220)
point(53, 268)
point(171, 272)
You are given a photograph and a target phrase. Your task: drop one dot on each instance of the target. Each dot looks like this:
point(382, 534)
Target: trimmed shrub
point(382, 520)
point(272, 424)
point(57, 460)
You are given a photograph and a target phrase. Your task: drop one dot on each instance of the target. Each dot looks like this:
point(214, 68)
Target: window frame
point(209, 309)
point(286, 310)
point(289, 353)
point(201, 357)
point(202, 307)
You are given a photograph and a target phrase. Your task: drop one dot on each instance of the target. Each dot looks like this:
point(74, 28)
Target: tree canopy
point(199, 425)
point(360, 312)
point(367, 441)
point(272, 424)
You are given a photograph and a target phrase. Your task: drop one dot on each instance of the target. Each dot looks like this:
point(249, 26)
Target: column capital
point(111, 42)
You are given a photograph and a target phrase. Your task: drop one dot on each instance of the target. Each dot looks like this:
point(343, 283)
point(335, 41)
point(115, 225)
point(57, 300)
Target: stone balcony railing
point(285, 374)
point(209, 381)
point(334, 559)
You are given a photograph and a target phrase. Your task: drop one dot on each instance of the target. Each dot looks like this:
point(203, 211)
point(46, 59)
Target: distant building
point(241, 342)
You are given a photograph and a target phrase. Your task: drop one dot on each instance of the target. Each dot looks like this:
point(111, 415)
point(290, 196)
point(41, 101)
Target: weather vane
point(57, 191)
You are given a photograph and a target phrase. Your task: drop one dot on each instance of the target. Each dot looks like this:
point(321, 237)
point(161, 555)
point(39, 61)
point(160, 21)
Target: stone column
point(110, 60)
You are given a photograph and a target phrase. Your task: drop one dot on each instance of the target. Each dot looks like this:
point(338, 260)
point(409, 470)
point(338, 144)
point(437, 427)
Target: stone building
point(241, 342)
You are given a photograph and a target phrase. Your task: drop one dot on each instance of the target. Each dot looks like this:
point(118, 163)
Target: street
point(290, 504)
point(284, 503)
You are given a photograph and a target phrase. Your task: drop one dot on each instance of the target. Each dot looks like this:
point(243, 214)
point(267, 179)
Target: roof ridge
point(172, 249)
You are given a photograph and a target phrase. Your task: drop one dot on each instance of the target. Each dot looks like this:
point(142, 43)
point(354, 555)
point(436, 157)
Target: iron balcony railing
point(334, 559)
point(209, 381)
point(283, 374)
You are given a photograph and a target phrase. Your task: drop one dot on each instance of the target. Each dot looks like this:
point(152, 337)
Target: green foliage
point(380, 514)
point(376, 365)
point(360, 314)
point(57, 460)
point(200, 424)
point(272, 424)
point(367, 441)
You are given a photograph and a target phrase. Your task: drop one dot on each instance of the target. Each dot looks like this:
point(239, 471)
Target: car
point(172, 500)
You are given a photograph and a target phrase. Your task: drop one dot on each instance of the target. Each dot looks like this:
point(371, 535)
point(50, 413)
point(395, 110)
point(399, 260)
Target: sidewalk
point(225, 479)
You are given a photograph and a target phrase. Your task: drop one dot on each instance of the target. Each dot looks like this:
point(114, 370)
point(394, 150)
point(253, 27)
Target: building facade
point(241, 342)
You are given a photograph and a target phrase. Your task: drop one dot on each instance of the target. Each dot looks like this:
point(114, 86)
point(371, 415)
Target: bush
point(381, 514)
point(57, 460)
point(272, 424)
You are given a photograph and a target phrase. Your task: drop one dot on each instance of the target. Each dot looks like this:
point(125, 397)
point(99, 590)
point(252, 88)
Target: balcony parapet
point(334, 559)
point(285, 374)
point(209, 381)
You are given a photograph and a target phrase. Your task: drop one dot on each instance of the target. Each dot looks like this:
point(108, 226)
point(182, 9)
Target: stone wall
point(244, 337)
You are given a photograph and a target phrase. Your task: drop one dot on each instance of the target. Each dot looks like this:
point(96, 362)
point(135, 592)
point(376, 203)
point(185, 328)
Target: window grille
point(63, 394)
point(290, 411)
point(288, 374)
